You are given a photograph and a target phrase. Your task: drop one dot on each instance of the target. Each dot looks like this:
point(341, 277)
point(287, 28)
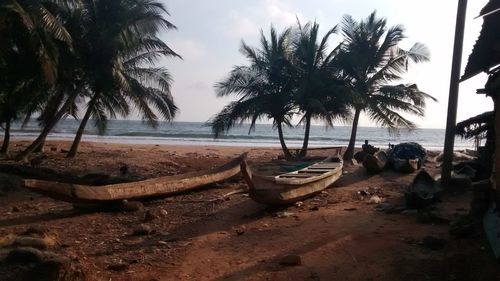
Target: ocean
point(197, 133)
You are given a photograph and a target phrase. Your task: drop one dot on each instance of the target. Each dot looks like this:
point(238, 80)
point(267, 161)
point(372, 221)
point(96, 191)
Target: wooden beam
point(451, 121)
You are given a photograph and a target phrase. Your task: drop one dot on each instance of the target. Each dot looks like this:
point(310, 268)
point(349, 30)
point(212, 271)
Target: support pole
point(451, 121)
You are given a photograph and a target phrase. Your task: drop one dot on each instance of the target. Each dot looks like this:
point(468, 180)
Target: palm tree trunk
point(6, 138)
point(286, 152)
point(76, 143)
point(45, 132)
point(303, 151)
point(41, 146)
point(349, 153)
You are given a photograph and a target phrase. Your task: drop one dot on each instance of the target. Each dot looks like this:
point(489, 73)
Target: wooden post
point(451, 121)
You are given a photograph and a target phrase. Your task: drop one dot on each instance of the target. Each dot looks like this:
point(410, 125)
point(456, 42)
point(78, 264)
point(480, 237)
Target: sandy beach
point(338, 234)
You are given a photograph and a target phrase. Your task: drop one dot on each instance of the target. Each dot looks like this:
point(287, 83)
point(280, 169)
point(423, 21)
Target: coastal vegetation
point(100, 54)
point(300, 77)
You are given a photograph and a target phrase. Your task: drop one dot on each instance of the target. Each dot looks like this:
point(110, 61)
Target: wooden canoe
point(289, 187)
point(151, 188)
point(422, 191)
point(375, 163)
point(405, 165)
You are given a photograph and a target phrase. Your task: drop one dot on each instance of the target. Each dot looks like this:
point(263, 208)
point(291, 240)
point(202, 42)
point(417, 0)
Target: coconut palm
point(372, 62)
point(118, 41)
point(113, 41)
point(35, 18)
point(264, 87)
point(320, 91)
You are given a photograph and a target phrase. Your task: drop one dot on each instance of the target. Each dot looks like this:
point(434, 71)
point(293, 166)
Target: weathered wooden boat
point(269, 184)
point(151, 188)
point(405, 165)
point(375, 163)
point(422, 192)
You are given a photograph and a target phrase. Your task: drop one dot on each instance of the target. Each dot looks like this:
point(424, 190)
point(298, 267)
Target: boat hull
point(375, 163)
point(152, 188)
point(271, 190)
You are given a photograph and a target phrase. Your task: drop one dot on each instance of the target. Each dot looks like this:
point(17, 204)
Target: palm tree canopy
point(263, 88)
point(372, 62)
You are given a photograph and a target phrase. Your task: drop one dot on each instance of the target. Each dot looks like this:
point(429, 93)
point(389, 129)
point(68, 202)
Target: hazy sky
point(210, 32)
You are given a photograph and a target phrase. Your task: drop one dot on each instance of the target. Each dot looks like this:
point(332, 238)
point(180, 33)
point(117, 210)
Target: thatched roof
point(475, 126)
point(486, 52)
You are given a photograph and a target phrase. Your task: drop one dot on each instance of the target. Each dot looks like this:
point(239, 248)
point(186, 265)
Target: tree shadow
point(49, 216)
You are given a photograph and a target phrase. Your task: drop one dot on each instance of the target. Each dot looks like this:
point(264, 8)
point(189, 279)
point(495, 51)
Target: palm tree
point(118, 40)
point(264, 88)
point(320, 91)
point(34, 17)
point(372, 62)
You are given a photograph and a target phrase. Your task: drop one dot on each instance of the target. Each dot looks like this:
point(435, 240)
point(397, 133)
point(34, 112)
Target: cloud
point(189, 49)
point(280, 14)
point(240, 26)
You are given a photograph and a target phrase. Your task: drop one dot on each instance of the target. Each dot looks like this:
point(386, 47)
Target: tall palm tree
point(264, 88)
point(118, 41)
point(372, 62)
point(320, 91)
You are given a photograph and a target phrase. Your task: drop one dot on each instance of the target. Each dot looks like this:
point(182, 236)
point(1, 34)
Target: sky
point(209, 35)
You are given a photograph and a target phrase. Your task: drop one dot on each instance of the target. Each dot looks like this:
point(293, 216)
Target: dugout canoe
point(151, 188)
point(375, 163)
point(268, 186)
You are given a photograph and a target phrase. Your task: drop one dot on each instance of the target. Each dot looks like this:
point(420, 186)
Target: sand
point(338, 234)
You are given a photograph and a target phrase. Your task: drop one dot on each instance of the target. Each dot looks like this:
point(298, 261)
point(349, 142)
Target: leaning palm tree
point(263, 88)
point(320, 91)
point(118, 42)
point(372, 63)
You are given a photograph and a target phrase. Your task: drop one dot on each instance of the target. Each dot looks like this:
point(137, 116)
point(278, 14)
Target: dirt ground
point(337, 234)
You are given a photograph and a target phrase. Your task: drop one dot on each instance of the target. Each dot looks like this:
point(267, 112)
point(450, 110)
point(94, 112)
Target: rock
point(118, 266)
point(24, 255)
point(142, 229)
point(374, 200)
point(163, 212)
point(291, 260)
point(433, 243)
point(299, 204)
point(32, 242)
point(131, 206)
point(56, 269)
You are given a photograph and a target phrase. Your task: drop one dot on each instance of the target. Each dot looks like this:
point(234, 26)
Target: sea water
point(264, 135)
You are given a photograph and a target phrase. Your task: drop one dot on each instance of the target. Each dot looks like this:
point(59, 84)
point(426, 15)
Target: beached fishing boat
point(375, 163)
point(271, 184)
point(422, 191)
point(151, 188)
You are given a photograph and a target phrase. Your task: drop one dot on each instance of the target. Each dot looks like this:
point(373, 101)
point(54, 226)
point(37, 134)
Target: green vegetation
point(56, 56)
point(297, 76)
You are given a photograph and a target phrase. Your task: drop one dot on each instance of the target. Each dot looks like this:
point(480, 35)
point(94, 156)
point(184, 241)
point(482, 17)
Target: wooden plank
point(301, 175)
point(316, 171)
